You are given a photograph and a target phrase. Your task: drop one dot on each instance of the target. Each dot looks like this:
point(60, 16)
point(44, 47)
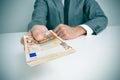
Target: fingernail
point(47, 33)
point(39, 37)
point(29, 41)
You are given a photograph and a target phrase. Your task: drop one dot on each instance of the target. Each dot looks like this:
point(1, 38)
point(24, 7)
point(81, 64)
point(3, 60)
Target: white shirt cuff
point(87, 28)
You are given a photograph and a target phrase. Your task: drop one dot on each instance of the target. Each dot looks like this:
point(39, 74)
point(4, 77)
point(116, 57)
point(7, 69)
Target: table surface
point(96, 58)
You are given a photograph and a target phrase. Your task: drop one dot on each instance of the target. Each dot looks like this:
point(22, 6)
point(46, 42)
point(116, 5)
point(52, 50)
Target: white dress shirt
point(86, 27)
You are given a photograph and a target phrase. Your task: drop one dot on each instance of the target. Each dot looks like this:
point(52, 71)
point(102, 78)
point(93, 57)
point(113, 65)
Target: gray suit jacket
point(51, 13)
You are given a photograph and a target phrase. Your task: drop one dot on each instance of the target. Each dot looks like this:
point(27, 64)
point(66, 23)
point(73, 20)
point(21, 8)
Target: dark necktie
point(66, 10)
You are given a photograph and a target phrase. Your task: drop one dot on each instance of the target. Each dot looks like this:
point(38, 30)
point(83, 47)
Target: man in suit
point(67, 18)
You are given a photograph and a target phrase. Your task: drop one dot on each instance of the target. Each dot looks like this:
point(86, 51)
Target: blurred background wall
point(16, 14)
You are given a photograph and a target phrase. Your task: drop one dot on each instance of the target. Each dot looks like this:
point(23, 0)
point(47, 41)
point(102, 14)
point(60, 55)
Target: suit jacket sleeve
point(97, 20)
point(39, 14)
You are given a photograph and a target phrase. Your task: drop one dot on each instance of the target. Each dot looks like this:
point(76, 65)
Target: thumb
point(39, 37)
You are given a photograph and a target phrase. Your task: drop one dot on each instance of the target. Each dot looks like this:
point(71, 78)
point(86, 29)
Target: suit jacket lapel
point(59, 5)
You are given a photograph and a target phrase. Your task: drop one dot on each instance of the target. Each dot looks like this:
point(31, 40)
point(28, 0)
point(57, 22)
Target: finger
point(40, 37)
point(61, 35)
point(64, 37)
point(56, 29)
point(58, 32)
point(39, 32)
point(31, 41)
point(22, 41)
point(45, 29)
point(29, 33)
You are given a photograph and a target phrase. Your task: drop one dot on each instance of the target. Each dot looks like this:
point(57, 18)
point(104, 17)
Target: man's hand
point(67, 32)
point(37, 32)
